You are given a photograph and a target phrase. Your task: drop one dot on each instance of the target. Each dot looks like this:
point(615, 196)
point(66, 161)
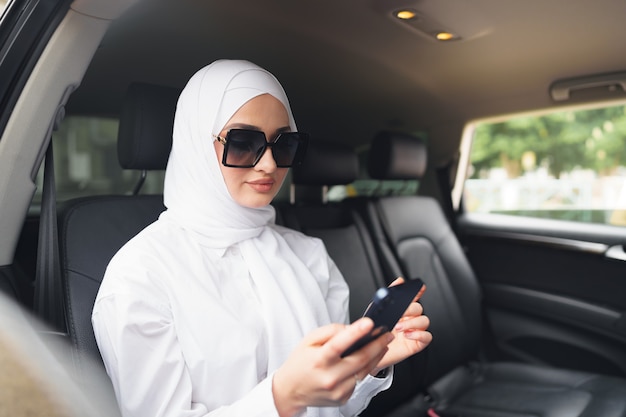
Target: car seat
point(350, 245)
point(92, 229)
point(417, 233)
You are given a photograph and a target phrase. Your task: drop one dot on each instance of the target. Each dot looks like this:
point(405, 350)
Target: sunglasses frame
point(303, 141)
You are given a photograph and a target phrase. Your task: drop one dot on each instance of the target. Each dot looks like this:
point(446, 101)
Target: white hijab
point(198, 200)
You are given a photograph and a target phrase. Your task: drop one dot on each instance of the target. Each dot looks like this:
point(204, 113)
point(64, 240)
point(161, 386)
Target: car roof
point(351, 68)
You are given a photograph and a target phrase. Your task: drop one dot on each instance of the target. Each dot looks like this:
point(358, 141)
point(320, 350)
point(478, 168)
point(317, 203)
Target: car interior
point(527, 314)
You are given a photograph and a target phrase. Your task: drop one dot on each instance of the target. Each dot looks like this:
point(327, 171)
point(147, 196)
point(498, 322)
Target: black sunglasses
point(244, 148)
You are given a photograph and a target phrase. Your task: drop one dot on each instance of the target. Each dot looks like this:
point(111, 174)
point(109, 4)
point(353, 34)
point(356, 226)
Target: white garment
point(181, 332)
point(196, 313)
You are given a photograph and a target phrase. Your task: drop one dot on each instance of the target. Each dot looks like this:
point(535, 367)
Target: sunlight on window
point(569, 165)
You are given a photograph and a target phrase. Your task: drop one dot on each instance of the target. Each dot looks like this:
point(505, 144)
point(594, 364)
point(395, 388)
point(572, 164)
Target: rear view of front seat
point(92, 229)
point(416, 232)
point(349, 244)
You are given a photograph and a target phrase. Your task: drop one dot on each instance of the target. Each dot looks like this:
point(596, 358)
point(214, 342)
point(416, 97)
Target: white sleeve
point(140, 349)
point(364, 392)
point(337, 298)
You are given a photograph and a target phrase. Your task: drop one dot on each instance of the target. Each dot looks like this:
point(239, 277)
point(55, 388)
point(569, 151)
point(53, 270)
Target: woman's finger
point(397, 281)
point(341, 341)
point(414, 309)
point(412, 323)
point(321, 335)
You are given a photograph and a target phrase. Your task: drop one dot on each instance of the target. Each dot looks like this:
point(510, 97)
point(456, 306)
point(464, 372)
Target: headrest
point(396, 156)
point(326, 163)
point(146, 123)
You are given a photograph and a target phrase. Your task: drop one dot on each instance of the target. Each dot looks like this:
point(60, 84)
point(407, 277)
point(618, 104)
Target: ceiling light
point(424, 25)
point(438, 21)
point(405, 14)
point(445, 36)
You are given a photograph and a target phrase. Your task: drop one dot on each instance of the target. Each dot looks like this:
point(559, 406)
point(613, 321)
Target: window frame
point(25, 28)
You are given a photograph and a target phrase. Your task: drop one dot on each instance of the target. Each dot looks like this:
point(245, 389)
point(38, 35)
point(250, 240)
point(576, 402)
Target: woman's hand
point(410, 333)
point(316, 375)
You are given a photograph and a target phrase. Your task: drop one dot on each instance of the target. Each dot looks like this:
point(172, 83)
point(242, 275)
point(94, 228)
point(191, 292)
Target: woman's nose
point(267, 162)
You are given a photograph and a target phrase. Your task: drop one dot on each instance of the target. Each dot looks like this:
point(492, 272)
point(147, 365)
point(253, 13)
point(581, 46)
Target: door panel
point(553, 291)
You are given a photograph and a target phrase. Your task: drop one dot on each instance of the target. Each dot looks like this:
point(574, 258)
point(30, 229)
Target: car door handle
point(616, 252)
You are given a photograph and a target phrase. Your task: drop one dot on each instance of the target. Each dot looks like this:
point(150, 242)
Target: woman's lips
point(261, 186)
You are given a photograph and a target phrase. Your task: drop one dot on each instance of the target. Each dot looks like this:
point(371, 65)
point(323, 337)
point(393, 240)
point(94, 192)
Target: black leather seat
point(341, 229)
point(417, 234)
point(349, 243)
point(92, 229)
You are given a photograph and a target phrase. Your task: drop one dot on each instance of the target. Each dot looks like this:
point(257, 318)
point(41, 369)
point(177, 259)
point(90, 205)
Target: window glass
point(365, 186)
point(568, 165)
point(369, 187)
point(85, 161)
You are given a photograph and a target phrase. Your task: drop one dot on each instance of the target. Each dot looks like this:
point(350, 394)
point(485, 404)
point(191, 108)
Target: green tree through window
point(594, 139)
point(557, 165)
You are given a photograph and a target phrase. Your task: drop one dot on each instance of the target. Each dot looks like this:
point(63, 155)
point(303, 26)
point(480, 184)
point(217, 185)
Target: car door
point(546, 234)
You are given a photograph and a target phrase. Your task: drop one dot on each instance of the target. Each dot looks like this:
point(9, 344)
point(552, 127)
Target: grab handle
point(561, 90)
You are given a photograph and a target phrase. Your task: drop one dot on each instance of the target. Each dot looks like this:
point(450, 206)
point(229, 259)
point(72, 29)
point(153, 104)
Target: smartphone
point(387, 307)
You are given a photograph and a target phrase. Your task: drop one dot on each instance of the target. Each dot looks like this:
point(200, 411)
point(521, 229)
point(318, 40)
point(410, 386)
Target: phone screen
point(386, 308)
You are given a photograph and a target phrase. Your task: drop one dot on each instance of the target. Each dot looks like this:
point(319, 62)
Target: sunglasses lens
point(243, 147)
point(285, 149)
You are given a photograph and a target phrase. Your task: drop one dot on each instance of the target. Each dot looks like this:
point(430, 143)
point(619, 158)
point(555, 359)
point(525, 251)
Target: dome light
point(445, 36)
point(405, 14)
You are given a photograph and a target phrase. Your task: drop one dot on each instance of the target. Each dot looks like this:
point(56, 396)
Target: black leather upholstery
point(399, 156)
point(92, 229)
point(146, 125)
point(326, 163)
point(330, 164)
point(514, 389)
point(427, 248)
point(348, 242)
point(417, 233)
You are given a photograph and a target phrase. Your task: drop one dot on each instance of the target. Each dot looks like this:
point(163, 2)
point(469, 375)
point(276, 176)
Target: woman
point(214, 309)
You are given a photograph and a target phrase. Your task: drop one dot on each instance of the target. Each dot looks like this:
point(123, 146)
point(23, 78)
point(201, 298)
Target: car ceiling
point(351, 69)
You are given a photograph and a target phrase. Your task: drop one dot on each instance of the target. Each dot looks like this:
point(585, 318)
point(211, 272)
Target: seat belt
point(443, 180)
point(48, 291)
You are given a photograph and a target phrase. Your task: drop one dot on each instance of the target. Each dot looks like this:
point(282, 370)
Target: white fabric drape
point(197, 199)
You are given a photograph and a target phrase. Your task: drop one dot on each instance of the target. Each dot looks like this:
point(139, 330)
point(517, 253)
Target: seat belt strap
point(48, 291)
point(443, 179)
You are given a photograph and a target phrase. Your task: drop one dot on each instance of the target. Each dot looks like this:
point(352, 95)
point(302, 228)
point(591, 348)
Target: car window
point(366, 186)
point(369, 187)
point(567, 165)
point(85, 159)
